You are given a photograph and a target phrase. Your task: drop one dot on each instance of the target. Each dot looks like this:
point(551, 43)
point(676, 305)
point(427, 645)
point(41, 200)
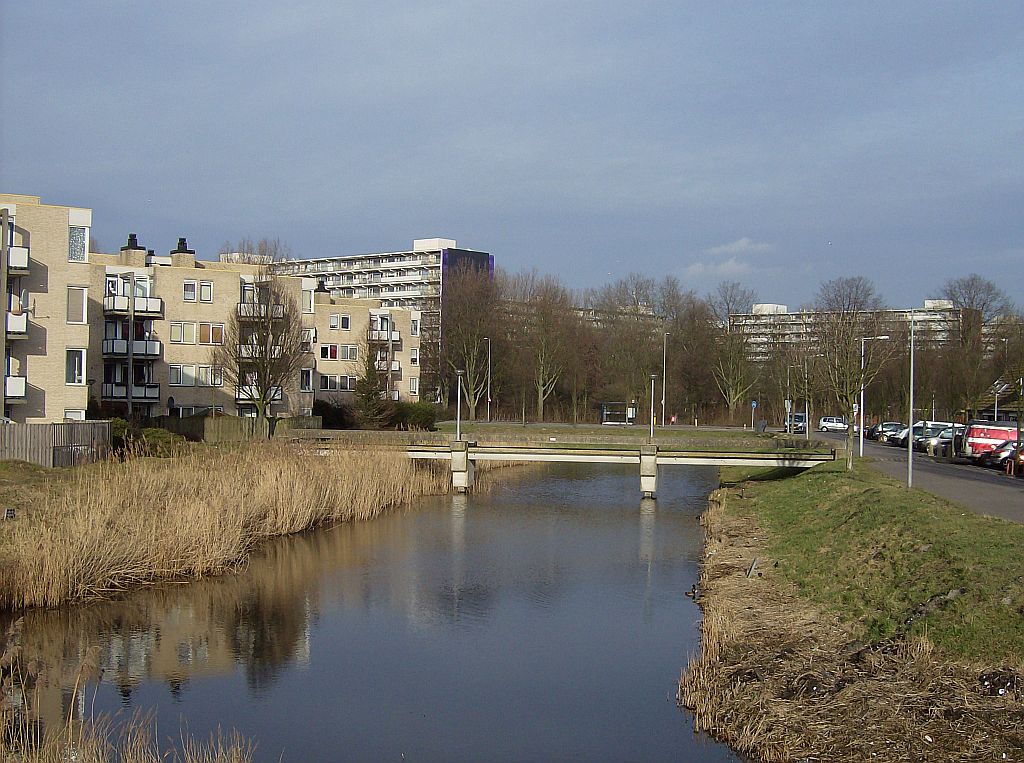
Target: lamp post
point(488, 340)
point(664, 368)
point(863, 340)
point(458, 406)
point(653, 378)
point(910, 418)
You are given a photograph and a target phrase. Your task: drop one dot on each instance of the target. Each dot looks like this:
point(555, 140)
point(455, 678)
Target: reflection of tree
point(453, 601)
point(263, 634)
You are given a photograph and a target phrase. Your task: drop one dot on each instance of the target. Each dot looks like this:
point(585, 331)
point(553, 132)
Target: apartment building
point(135, 332)
point(770, 328)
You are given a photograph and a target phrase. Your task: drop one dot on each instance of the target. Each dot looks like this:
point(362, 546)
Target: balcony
point(385, 336)
point(259, 310)
point(249, 393)
point(17, 326)
point(17, 259)
point(14, 388)
point(254, 351)
point(382, 365)
point(139, 392)
point(121, 304)
point(141, 348)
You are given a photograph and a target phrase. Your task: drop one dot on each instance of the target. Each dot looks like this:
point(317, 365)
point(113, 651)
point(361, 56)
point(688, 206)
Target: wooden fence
point(67, 444)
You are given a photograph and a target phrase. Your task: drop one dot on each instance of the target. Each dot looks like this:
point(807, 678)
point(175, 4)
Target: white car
point(832, 424)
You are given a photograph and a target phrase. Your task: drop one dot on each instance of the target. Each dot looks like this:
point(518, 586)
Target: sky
point(775, 144)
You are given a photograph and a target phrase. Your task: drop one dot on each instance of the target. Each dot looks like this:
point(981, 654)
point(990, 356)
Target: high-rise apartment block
point(136, 331)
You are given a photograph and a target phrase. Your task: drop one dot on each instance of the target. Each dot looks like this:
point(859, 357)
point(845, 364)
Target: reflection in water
point(533, 622)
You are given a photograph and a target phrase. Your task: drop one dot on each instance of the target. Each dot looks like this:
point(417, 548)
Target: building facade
point(135, 332)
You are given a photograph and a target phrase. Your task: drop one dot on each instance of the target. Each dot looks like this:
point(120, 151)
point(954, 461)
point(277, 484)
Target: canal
point(543, 619)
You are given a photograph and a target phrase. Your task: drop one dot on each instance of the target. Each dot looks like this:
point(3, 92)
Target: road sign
point(753, 404)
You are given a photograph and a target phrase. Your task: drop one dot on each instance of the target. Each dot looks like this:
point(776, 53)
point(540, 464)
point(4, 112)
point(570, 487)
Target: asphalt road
point(984, 491)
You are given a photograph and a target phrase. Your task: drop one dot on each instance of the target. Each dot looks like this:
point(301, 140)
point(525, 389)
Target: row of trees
point(556, 353)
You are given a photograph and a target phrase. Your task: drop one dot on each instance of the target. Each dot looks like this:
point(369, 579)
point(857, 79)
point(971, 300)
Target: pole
point(131, 344)
point(488, 379)
point(995, 415)
point(5, 254)
point(910, 418)
point(664, 380)
point(789, 404)
point(653, 378)
point(862, 341)
point(458, 407)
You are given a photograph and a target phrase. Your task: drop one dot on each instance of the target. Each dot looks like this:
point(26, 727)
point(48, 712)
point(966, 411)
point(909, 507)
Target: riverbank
point(876, 624)
point(100, 530)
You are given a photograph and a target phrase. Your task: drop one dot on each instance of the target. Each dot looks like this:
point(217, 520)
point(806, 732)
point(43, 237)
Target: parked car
point(832, 424)
point(918, 430)
point(941, 444)
point(996, 458)
point(982, 436)
point(886, 429)
point(796, 423)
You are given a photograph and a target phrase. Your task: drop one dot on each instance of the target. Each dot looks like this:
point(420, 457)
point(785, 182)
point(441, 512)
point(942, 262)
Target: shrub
point(159, 442)
point(335, 413)
point(413, 416)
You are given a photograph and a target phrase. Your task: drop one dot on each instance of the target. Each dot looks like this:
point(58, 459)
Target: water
point(544, 620)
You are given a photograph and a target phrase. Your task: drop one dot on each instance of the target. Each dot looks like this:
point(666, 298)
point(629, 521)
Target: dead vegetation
point(779, 680)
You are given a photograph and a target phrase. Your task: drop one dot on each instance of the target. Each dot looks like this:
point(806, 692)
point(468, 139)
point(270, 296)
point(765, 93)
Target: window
point(346, 323)
point(211, 333)
point(329, 383)
point(414, 327)
point(185, 411)
point(209, 376)
point(414, 356)
point(349, 352)
point(328, 352)
point(335, 320)
point(77, 299)
point(414, 385)
point(188, 291)
point(74, 367)
point(182, 376)
point(78, 244)
point(305, 411)
point(307, 300)
point(183, 333)
point(74, 414)
point(305, 380)
point(206, 291)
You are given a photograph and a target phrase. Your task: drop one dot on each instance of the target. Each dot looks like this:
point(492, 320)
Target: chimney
point(182, 247)
point(133, 244)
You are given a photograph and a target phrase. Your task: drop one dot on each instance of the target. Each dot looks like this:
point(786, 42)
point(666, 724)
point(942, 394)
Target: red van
point(981, 436)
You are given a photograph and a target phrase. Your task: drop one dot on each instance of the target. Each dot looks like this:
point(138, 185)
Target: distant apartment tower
point(135, 332)
point(412, 279)
point(771, 328)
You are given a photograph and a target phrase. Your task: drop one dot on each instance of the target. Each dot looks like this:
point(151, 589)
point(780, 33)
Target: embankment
point(113, 526)
point(876, 624)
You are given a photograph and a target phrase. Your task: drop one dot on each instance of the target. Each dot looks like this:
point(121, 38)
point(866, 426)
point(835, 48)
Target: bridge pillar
point(648, 471)
point(463, 469)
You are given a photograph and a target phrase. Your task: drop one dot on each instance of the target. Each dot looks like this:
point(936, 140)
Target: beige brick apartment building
point(138, 329)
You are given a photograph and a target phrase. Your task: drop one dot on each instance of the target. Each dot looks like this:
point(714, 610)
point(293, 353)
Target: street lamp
point(458, 406)
point(664, 360)
point(910, 418)
point(863, 340)
point(653, 377)
point(488, 340)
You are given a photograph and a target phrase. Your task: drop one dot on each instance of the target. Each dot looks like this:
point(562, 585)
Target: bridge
point(464, 455)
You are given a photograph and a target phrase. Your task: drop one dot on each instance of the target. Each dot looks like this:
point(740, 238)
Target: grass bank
point(107, 528)
point(876, 624)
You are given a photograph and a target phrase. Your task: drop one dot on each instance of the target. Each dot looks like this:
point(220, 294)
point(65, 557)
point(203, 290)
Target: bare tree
point(974, 293)
point(729, 298)
point(263, 346)
point(260, 252)
point(849, 310)
point(734, 373)
point(470, 319)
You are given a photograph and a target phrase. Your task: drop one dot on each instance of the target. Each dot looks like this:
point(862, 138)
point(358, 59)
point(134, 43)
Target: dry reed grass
point(121, 525)
point(780, 681)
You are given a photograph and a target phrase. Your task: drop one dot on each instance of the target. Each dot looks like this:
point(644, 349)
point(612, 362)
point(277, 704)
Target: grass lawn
point(889, 561)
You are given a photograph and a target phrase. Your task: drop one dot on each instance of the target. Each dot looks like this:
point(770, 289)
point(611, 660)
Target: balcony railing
point(17, 325)
point(14, 388)
point(121, 303)
point(139, 391)
point(384, 336)
point(251, 393)
point(146, 348)
point(250, 351)
point(17, 258)
point(259, 310)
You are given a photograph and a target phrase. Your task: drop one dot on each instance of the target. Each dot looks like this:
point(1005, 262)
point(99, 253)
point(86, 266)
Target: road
point(984, 491)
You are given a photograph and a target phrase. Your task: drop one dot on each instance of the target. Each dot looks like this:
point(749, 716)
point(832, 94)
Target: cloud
point(726, 269)
point(740, 246)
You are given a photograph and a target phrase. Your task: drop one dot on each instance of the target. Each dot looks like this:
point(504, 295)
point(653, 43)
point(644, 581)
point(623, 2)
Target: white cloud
point(726, 269)
point(740, 246)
